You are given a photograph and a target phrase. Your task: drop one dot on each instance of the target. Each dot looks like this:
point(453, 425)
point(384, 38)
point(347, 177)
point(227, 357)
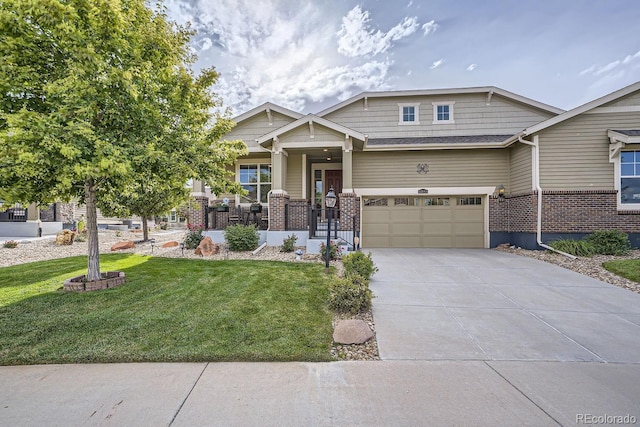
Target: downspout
point(535, 174)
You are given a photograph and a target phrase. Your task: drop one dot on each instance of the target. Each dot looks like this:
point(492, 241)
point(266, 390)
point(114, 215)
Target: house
point(447, 168)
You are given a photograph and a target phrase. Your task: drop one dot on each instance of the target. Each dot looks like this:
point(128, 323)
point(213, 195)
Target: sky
point(308, 55)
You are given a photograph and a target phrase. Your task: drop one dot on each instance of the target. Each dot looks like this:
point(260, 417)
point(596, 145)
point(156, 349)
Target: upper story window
point(443, 112)
point(630, 177)
point(256, 179)
point(409, 114)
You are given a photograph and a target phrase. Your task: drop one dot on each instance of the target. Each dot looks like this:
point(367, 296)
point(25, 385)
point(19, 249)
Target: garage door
point(423, 222)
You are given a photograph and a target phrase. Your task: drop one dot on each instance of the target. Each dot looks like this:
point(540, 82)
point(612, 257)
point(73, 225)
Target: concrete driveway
point(451, 304)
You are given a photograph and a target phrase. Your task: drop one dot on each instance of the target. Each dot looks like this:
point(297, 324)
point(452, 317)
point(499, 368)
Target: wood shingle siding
point(447, 168)
point(575, 154)
point(471, 115)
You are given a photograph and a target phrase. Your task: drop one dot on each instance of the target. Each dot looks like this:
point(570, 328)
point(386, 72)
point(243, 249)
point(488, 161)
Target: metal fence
point(14, 215)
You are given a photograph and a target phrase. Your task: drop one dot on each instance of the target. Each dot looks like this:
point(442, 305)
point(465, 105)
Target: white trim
point(316, 144)
point(304, 175)
point(617, 185)
point(255, 161)
point(435, 105)
point(416, 113)
point(448, 91)
point(620, 109)
point(263, 108)
point(308, 119)
point(405, 147)
point(431, 191)
point(269, 116)
point(620, 137)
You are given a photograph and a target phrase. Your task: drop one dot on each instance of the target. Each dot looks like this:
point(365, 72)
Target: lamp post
point(330, 201)
point(153, 244)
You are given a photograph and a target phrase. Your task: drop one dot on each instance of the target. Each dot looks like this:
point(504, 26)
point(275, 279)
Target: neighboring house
point(424, 168)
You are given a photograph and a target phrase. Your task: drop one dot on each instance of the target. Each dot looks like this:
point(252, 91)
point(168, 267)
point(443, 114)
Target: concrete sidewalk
point(385, 393)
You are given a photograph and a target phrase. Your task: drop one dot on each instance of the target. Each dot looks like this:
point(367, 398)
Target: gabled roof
point(489, 90)
point(312, 118)
point(266, 107)
point(581, 109)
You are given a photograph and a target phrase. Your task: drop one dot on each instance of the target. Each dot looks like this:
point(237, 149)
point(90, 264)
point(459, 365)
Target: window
point(443, 112)
point(630, 177)
point(376, 202)
point(466, 201)
point(406, 201)
point(436, 201)
point(409, 114)
point(256, 179)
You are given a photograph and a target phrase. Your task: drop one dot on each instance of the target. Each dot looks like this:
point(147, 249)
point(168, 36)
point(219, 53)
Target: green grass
point(175, 310)
point(628, 268)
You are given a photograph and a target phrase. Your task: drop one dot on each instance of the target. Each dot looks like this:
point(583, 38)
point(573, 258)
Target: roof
point(266, 107)
point(470, 139)
point(579, 110)
point(312, 118)
point(451, 91)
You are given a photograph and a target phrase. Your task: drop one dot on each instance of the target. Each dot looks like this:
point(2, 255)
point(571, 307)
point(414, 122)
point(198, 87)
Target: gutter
point(535, 175)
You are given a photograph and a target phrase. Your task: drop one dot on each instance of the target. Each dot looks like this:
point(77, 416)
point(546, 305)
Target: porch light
point(330, 202)
point(501, 191)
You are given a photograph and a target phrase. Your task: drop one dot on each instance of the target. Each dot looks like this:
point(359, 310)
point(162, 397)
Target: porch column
point(277, 206)
point(33, 212)
point(347, 171)
point(278, 171)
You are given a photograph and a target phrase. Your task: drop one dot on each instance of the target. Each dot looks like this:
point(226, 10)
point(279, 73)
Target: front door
point(333, 178)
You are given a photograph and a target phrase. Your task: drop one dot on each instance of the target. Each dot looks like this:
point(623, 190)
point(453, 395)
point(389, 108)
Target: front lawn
point(627, 268)
point(174, 310)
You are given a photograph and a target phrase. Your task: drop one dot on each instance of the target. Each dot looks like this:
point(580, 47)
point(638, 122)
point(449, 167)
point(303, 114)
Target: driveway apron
point(481, 304)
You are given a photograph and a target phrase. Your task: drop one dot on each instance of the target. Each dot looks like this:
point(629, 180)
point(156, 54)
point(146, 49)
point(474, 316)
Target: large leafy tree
point(97, 99)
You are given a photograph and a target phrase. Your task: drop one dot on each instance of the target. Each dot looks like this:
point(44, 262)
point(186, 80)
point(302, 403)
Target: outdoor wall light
point(330, 201)
point(501, 191)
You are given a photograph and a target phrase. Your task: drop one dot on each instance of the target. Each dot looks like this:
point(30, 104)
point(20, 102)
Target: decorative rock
point(170, 244)
point(65, 237)
point(127, 244)
point(207, 247)
point(352, 331)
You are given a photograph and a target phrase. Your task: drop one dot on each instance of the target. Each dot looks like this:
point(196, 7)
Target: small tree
point(98, 103)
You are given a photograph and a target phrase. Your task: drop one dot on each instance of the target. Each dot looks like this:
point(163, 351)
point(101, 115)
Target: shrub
point(357, 263)
point(194, 236)
point(242, 237)
point(289, 243)
point(81, 236)
point(609, 242)
point(334, 251)
point(574, 247)
point(10, 244)
point(350, 295)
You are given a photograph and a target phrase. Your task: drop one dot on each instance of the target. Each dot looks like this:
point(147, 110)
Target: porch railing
point(14, 215)
point(220, 219)
point(343, 228)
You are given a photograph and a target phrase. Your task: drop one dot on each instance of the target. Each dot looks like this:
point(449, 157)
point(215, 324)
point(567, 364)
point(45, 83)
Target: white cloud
point(206, 44)
point(429, 27)
point(357, 38)
point(410, 4)
point(472, 67)
point(589, 70)
point(630, 58)
point(436, 64)
point(598, 70)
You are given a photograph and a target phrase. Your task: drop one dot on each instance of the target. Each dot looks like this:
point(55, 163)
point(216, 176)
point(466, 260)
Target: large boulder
point(170, 244)
point(65, 237)
point(127, 244)
point(352, 331)
point(207, 247)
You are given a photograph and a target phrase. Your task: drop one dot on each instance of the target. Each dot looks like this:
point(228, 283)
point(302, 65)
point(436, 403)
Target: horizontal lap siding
point(254, 127)
point(294, 176)
point(575, 154)
point(302, 134)
point(520, 169)
point(629, 100)
point(471, 115)
point(447, 168)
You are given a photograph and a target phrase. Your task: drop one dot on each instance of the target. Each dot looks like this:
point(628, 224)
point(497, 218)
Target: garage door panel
point(425, 223)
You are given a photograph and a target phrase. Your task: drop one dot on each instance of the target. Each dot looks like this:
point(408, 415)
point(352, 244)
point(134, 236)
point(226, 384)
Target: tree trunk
point(145, 229)
point(93, 270)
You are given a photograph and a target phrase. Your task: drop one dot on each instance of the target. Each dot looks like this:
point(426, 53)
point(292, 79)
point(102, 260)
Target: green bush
point(609, 242)
point(350, 295)
point(357, 263)
point(242, 237)
point(10, 244)
point(334, 251)
point(289, 243)
point(193, 237)
point(574, 247)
